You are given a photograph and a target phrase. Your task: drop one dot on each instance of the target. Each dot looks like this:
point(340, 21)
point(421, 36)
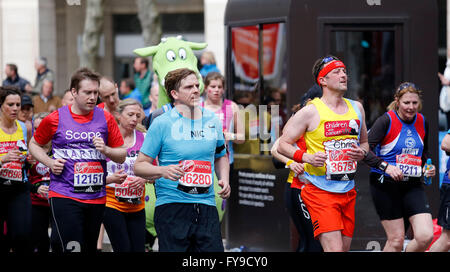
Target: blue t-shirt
point(173, 139)
point(135, 94)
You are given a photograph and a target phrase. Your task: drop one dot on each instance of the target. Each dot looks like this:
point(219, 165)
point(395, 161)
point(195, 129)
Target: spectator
point(128, 90)
point(43, 73)
point(209, 63)
point(67, 98)
point(13, 78)
point(143, 79)
point(46, 102)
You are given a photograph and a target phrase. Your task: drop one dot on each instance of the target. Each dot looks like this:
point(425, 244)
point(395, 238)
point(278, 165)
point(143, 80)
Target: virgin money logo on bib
point(196, 166)
point(87, 167)
point(188, 165)
point(336, 155)
point(41, 169)
point(344, 127)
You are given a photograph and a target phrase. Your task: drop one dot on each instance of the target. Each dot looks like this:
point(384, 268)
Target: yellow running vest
point(12, 171)
point(334, 136)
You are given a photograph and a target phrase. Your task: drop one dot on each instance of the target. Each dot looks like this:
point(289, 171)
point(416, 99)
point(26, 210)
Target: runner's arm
point(276, 154)
point(39, 152)
point(375, 137)
point(359, 153)
point(144, 168)
point(363, 140)
point(222, 168)
point(293, 130)
point(116, 154)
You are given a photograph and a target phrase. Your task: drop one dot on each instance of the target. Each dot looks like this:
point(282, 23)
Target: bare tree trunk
point(150, 22)
point(93, 28)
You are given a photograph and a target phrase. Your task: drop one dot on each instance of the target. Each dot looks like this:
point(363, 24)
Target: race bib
point(12, 171)
point(197, 178)
point(410, 165)
point(339, 166)
point(123, 193)
point(88, 177)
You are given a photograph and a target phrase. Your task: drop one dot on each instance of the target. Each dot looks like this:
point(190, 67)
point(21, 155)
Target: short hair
point(318, 65)
point(8, 90)
point(42, 61)
point(214, 76)
point(82, 74)
point(129, 82)
point(172, 81)
point(40, 115)
point(13, 67)
point(143, 60)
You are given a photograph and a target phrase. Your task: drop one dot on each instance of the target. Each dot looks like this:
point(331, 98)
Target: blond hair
point(131, 102)
point(405, 87)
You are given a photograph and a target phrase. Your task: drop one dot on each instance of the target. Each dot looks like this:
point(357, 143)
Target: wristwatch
point(383, 165)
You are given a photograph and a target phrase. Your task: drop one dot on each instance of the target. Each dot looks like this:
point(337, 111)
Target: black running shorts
point(397, 199)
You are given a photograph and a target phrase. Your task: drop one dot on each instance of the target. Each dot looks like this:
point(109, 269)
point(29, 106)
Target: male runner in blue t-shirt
point(189, 144)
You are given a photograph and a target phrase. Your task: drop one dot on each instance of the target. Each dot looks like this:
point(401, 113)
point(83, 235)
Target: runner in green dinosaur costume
point(171, 54)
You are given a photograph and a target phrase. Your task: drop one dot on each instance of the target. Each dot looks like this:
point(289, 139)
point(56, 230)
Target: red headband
point(329, 67)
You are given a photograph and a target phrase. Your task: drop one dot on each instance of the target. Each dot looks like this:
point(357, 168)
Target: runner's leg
point(422, 225)
point(395, 232)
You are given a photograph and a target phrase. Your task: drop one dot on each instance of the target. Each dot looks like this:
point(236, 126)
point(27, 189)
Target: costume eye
point(182, 53)
point(171, 55)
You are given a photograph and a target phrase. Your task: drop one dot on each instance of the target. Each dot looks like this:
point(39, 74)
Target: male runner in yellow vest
point(335, 132)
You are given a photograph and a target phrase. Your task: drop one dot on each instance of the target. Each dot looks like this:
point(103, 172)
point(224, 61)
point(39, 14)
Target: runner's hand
point(173, 172)
point(136, 182)
point(118, 177)
point(99, 144)
point(12, 155)
point(431, 172)
point(395, 172)
point(317, 159)
point(297, 168)
point(57, 166)
point(43, 191)
point(226, 189)
point(356, 153)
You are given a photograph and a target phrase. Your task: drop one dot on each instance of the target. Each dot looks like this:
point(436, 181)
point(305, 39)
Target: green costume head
point(171, 54)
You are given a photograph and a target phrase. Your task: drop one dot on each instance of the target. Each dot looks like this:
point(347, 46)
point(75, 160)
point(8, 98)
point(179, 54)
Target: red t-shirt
point(48, 126)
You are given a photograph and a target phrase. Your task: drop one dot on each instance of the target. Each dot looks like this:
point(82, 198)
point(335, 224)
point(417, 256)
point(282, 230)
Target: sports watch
point(383, 165)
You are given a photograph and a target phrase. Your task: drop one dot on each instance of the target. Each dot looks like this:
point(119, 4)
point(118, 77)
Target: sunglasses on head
point(406, 85)
point(326, 60)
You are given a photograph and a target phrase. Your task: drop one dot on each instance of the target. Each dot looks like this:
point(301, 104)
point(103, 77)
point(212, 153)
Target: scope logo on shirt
point(89, 135)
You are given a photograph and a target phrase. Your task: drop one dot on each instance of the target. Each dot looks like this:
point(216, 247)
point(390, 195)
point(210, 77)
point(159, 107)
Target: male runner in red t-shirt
point(77, 199)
